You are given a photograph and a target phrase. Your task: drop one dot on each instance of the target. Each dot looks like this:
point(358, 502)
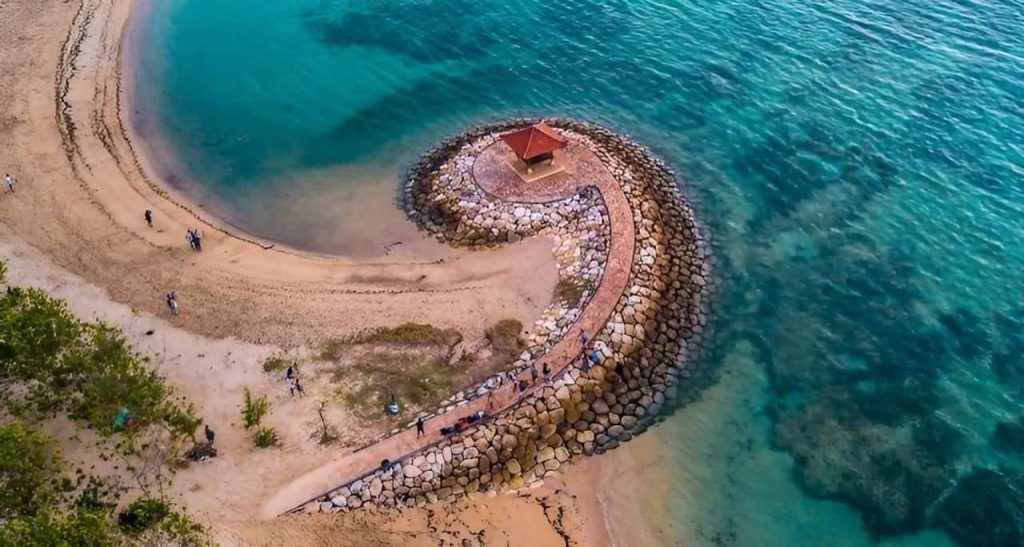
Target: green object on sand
point(122, 418)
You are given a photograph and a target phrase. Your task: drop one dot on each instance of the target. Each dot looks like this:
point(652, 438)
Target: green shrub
point(266, 438)
point(254, 409)
point(142, 515)
point(277, 363)
point(28, 466)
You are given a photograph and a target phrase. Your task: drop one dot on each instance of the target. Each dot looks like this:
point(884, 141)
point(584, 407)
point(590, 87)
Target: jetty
point(617, 343)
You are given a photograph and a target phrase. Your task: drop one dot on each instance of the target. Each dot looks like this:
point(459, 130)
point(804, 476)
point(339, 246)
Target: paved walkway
point(587, 171)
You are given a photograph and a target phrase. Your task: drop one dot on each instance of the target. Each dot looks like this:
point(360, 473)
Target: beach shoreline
point(93, 180)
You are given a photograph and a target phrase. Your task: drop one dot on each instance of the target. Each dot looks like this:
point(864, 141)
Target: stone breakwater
point(649, 342)
point(443, 198)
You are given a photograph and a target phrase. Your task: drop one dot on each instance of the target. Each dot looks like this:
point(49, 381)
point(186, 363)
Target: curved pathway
point(562, 354)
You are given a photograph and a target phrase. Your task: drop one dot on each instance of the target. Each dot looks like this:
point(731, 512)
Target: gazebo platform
point(499, 173)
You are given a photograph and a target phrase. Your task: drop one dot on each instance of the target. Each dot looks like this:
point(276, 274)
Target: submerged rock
point(1009, 436)
point(985, 508)
point(873, 467)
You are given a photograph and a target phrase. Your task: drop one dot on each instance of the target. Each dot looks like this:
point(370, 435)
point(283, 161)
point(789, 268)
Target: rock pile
point(648, 344)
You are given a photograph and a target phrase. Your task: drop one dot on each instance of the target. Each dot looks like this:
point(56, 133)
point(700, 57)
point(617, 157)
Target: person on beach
point(172, 302)
point(191, 239)
point(419, 427)
point(11, 181)
point(148, 215)
point(197, 237)
point(290, 373)
point(298, 388)
point(546, 370)
point(583, 339)
point(209, 435)
point(533, 374)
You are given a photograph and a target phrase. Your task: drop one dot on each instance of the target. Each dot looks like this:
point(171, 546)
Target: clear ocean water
point(860, 165)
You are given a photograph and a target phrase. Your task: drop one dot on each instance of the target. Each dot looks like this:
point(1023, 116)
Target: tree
point(28, 467)
point(253, 412)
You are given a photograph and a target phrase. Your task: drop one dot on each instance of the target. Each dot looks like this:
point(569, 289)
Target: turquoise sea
point(859, 163)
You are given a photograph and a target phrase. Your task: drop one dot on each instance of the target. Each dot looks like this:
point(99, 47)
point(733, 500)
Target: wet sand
point(75, 227)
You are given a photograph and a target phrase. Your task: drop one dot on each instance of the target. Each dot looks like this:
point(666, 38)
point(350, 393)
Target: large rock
point(376, 487)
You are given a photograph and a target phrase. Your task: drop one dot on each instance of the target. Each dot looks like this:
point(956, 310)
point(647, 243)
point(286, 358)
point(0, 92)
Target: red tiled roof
point(533, 141)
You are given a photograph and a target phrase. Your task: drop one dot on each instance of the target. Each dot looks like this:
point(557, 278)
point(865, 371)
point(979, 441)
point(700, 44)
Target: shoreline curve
point(646, 319)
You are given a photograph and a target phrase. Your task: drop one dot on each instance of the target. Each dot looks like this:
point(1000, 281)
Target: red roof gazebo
point(535, 143)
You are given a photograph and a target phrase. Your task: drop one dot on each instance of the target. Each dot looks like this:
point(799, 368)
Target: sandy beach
point(75, 228)
point(85, 185)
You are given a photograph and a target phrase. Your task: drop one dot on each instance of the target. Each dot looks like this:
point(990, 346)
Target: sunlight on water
point(860, 165)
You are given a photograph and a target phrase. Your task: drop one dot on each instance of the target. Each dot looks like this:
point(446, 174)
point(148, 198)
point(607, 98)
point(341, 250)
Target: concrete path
point(562, 354)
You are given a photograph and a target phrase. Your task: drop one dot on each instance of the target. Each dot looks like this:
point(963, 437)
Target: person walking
point(191, 239)
point(419, 427)
point(209, 435)
point(172, 302)
point(197, 238)
point(148, 215)
point(11, 181)
point(533, 374)
point(546, 370)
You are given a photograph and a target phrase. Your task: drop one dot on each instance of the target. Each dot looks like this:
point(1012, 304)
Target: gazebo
point(534, 144)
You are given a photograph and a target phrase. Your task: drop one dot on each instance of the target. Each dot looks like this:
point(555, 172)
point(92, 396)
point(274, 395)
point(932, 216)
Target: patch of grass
point(417, 382)
point(406, 334)
point(504, 336)
point(276, 363)
point(266, 438)
point(570, 290)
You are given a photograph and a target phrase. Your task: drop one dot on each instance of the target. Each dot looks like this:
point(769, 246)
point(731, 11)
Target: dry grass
point(404, 335)
point(418, 382)
point(504, 337)
point(571, 290)
point(277, 363)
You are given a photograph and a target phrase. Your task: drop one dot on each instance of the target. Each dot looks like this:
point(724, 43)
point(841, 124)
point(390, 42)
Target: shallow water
point(859, 164)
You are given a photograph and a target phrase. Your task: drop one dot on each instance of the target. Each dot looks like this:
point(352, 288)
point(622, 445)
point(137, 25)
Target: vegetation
point(84, 369)
point(504, 337)
point(571, 290)
point(254, 410)
point(53, 363)
point(278, 363)
point(28, 464)
point(405, 335)
point(40, 507)
point(415, 382)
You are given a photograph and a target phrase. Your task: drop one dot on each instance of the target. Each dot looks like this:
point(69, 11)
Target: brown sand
point(74, 227)
point(84, 188)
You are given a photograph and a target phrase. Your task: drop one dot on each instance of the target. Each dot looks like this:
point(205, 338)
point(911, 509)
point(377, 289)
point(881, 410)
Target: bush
point(28, 466)
point(85, 369)
point(254, 410)
point(277, 363)
point(266, 438)
point(141, 515)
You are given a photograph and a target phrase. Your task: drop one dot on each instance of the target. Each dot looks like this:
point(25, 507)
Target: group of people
point(291, 379)
point(195, 239)
point(11, 180)
point(458, 427)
